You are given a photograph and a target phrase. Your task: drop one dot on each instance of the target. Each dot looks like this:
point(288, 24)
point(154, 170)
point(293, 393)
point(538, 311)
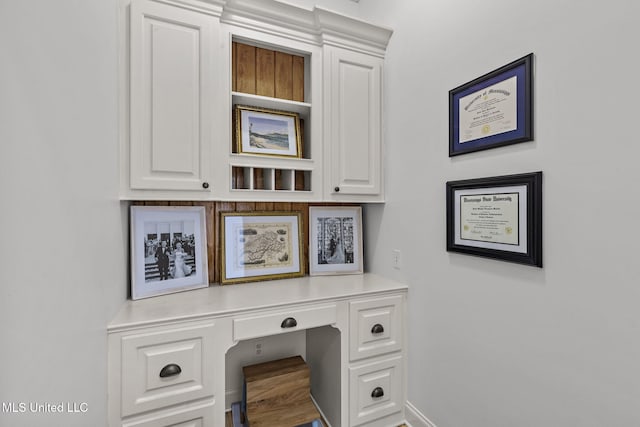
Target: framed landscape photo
point(335, 240)
point(262, 131)
point(168, 250)
point(497, 217)
point(261, 246)
point(493, 110)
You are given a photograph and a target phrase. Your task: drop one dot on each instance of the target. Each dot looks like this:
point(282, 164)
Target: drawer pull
point(289, 322)
point(377, 392)
point(377, 329)
point(170, 370)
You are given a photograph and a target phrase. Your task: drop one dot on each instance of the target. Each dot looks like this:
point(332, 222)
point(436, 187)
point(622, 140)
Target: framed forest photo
point(168, 250)
point(261, 246)
point(335, 240)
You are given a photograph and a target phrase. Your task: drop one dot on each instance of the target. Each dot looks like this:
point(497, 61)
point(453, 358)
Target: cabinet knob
point(289, 322)
point(377, 329)
point(205, 185)
point(377, 392)
point(170, 370)
point(336, 189)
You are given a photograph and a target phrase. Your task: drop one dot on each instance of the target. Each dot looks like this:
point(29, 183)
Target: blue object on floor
point(236, 415)
point(314, 423)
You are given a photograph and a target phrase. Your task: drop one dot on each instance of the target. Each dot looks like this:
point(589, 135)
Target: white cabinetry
point(177, 101)
point(375, 351)
point(168, 354)
point(353, 124)
point(165, 375)
point(173, 68)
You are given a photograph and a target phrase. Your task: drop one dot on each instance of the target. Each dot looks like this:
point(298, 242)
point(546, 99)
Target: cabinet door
point(172, 68)
point(355, 117)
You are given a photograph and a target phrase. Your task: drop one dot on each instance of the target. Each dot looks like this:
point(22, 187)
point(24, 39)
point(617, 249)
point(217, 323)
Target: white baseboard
point(415, 418)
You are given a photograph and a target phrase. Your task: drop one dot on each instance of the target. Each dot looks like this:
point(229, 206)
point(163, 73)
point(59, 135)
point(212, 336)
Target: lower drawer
point(375, 390)
point(185, 416)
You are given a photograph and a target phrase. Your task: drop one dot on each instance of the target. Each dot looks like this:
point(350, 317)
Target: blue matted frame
point(522, 70)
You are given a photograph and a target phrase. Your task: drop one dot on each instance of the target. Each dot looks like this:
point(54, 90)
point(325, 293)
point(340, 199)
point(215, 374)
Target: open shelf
point(269, 179)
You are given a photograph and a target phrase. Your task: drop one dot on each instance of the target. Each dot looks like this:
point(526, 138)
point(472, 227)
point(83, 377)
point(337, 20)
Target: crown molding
point(322, 26)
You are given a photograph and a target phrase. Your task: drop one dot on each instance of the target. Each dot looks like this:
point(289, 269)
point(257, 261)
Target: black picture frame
point(489, 105)
point(481, 219)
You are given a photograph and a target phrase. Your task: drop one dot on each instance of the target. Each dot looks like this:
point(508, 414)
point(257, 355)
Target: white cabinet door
point(172, 67)
point(354, 124)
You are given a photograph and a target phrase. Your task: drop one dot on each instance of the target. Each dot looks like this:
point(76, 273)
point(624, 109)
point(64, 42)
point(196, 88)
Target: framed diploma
point(492, 110)
point(498, 217)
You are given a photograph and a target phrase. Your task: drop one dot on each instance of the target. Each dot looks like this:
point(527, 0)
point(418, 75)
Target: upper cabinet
point(173, 68)
point(353, 125)
point(249, 100)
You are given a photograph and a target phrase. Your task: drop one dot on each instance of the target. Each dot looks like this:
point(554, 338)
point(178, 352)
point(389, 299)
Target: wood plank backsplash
point(265, 72)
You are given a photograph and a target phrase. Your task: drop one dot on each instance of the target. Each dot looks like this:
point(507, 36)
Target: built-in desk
point(167, 354)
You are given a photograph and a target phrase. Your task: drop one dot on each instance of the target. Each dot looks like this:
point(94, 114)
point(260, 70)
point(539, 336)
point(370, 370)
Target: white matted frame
point(335, 240)
point(168, 250)
point(261, 246)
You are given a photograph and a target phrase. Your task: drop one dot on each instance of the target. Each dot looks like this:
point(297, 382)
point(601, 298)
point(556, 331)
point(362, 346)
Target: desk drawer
point(376, 326)
point(166, 366)
point(375, 390)
point(264, 324)
point(199, 415)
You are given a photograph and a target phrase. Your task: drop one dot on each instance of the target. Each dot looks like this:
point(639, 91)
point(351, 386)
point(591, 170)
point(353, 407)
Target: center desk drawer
point(294, 319)
point(165, 366)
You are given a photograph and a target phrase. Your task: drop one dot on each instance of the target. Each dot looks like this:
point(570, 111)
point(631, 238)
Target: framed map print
point(261, 246)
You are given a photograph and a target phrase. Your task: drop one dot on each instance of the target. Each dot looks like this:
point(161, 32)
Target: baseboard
point(415, 418)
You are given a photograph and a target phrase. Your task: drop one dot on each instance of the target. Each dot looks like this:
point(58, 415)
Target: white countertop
point(217, 300)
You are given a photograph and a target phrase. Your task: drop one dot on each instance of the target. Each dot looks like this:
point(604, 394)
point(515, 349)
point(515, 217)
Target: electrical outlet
point(259, 349)
point(395, 260)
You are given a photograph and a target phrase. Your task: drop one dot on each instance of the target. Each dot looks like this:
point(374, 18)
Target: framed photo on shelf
point(266, 132)
point(261, 246)
point(493, 110)
point(335, 240)
point(168, 250)
point(498, 217)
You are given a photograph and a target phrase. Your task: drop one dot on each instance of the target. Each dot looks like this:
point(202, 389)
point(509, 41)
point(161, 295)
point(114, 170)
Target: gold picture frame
point(261, 246)
point(266, 132)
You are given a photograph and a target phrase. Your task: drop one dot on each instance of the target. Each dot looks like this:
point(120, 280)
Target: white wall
point(494, 344)
point(491, 344)
point(63, 229)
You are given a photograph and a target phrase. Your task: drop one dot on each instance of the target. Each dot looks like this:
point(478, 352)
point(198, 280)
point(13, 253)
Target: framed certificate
point(492, 110)
point(498, 217)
